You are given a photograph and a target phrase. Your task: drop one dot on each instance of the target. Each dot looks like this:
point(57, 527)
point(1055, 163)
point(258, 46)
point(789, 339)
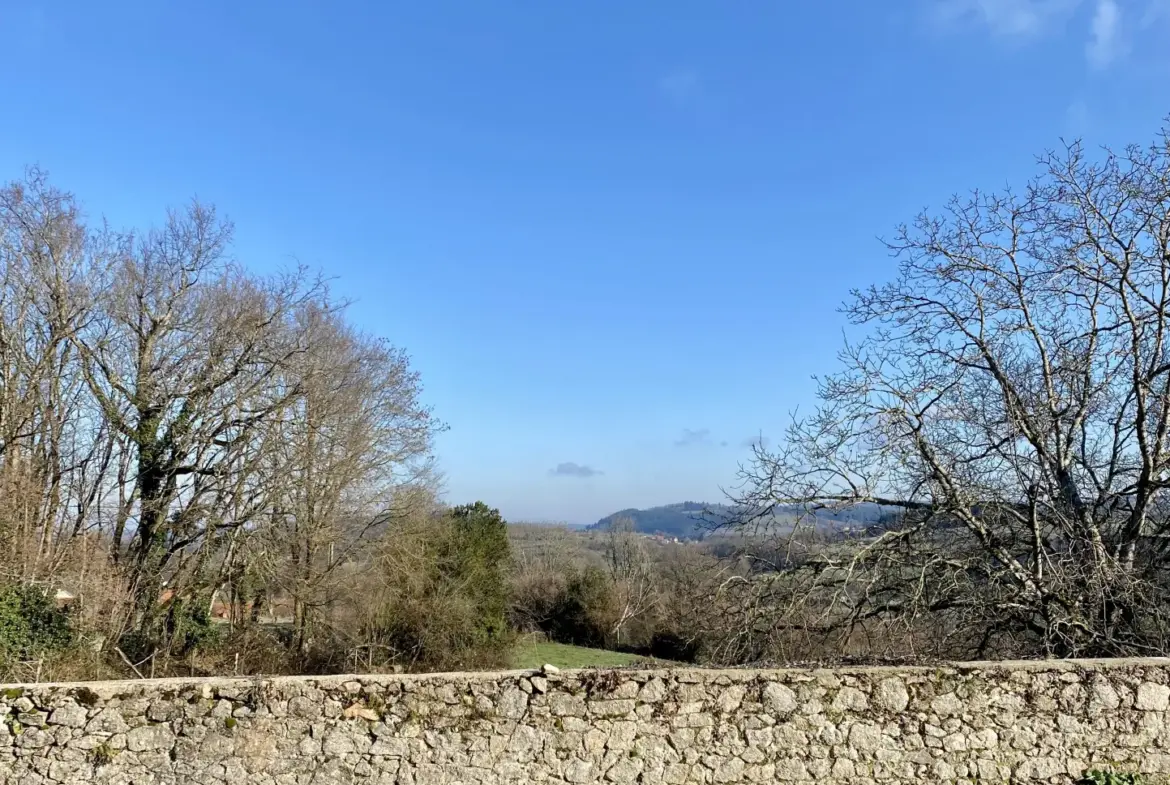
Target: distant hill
point(684, 518)
point(673, 520)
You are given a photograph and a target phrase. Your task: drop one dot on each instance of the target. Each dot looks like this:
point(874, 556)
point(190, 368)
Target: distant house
point(64, 599)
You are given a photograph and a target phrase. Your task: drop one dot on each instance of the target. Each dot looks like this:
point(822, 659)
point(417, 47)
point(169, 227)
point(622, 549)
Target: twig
point(126, 660)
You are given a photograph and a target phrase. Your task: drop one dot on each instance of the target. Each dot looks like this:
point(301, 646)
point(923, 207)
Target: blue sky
point(612, 235)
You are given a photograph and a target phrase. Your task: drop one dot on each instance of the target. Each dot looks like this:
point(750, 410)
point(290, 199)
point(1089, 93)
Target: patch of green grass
point(531, 655)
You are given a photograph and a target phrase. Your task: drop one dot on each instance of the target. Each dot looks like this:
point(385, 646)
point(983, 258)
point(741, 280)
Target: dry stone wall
point(985, 723)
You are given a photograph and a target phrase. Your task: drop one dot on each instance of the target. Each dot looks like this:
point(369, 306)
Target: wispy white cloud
point(1105, 36)
point(1009, 18)
point(1109, 28)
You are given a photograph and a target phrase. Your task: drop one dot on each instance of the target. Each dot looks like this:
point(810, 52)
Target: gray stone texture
point(1044, 722)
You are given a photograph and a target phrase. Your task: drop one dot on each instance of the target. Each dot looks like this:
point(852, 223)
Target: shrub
point(582, 609)
point(476, 554)
point(445, 593)
point(189, 627)
point(185, 628)
point(31, 626)
point(536, 596)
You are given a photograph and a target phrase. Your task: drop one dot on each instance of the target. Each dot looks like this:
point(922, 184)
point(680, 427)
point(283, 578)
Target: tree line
point(177, 430)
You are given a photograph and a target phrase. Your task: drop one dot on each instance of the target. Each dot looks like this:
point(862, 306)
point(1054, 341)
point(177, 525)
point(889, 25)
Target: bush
point(674, 647)
point(189, 628)
point(581, 610)
point(31, 626)
point(442, 631)
point(445, 593)
point(185, 628)
point(536, 596)
point(477, 556)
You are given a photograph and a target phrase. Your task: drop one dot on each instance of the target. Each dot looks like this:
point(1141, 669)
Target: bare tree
point(1011, 397)
point(543, 558)
point(632, 574)
point(55, 454)
point(184, 362)
point(169, 420)
point(352, 453)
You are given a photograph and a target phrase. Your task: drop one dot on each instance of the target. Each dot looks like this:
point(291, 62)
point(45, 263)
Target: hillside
point(684, 518)
point(674, 520)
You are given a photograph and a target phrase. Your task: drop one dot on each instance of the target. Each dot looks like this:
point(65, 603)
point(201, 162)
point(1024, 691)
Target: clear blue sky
point(612, 235)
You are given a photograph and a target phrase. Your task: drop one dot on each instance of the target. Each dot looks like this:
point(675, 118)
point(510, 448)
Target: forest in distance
point(205, 470)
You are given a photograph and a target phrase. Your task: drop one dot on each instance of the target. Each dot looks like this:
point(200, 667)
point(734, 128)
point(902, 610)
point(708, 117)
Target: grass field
point(530, 654)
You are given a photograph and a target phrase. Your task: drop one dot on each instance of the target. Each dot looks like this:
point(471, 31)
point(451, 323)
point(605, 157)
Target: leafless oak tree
point(1011, 400)
point(183, 360)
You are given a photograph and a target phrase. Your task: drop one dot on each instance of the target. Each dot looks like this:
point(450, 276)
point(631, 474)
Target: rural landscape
point(209, 471)
point(206, 471)
point(608, 394)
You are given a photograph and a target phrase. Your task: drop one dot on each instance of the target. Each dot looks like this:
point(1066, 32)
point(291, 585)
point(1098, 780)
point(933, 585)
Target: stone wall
point(1006, 722)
